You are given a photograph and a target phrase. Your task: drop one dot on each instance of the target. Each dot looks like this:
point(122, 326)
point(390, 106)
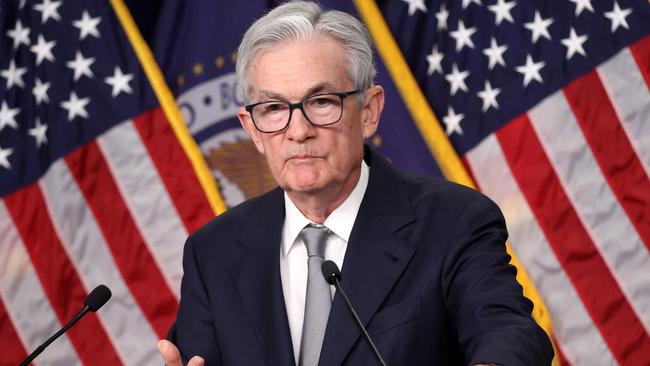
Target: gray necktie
point(318, 301)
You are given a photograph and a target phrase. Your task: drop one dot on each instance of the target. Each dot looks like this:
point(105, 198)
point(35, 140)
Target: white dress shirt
point(293, 256)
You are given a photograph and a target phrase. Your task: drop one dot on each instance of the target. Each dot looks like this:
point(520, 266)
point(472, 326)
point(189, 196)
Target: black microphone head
point(97, 297)
point(331, 272)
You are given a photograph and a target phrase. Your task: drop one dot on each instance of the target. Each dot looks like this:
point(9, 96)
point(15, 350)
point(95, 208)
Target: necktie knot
point(315, 238)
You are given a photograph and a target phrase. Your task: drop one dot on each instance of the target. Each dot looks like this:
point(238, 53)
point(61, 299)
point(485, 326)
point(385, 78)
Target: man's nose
point(299, 127)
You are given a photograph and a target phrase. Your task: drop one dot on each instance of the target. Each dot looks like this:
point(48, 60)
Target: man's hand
point(172, 357)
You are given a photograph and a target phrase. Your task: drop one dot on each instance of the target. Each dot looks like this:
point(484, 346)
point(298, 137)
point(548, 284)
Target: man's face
point(304, 158)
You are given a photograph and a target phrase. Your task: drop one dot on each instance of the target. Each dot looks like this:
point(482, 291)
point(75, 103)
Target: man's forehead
point(299, 68)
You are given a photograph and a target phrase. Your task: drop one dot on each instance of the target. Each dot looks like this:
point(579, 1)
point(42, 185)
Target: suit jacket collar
point(374, 261)
point(257, 279)
point(375, 258)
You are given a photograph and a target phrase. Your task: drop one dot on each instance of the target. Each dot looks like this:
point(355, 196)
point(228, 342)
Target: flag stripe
point(12, 350)
point(147, 199)
point(189, 148)
point(619, 325)
point(581, 343)
point(175, 169)
point(133, 259)
point(612, 150)
point(25, 300)
point(603, 218)
point(640, 51)
point(57, 274)
point(124, 321)
point(619, 75)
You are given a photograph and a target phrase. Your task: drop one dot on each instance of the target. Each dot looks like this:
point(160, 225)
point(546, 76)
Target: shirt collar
point(340, 221)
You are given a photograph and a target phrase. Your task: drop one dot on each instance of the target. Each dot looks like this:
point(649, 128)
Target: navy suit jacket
point(425, 267)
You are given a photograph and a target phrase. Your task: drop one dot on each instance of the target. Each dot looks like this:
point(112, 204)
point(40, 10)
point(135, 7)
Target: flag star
point(19, 34)
point(617, 17)
point(531, 70)
point(40, 91)
point(452, 122)
point(38, 132)
point(4, 154)
point(457, 80)
point(21, 5)
point(441, 16)
point(119, 82)
point(467, 2)
point(8, 116)
point(87, 25)
point(49, 10)
point(501, 11)
point(489, 96)
point(415, 5)
point(574, 44)
point(43, 50)
point(14, 75)
point(81, 66)
point(463, 36)
point(435, 61)
point(539, 27)
point(75, 106)
point(495, 54)
point(582, 5)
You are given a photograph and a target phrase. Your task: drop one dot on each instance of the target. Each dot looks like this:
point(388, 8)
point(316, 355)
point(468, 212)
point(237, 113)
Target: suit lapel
point(257, 279)
point(374, 260)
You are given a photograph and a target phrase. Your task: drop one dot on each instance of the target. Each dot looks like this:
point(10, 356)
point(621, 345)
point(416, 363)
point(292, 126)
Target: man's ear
point(247, 123)
point(373, 105)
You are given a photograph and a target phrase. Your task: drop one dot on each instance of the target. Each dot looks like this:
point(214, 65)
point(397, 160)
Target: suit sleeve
point(492, 317)
point(193, 332)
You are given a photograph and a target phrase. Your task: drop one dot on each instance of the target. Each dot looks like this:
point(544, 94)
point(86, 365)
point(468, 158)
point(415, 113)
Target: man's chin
point(304, 187)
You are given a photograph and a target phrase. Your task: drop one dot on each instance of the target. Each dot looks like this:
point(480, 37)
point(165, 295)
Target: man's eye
point(323, 101)
point(274, 107)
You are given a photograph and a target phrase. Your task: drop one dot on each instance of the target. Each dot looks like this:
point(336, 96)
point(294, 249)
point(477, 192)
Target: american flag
point(95, 187)
point(548, 105)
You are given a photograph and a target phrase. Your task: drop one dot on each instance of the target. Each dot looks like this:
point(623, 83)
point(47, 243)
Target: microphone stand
point(335, 281)
point(95, 300)
point(56, 335)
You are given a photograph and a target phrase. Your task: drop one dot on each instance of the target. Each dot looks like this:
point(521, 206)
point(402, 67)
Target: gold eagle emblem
point(243, 165)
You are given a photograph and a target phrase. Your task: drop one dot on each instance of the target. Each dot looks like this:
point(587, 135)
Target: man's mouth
point(303, 157)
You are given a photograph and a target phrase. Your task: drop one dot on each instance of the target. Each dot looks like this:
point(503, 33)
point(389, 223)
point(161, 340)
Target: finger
point(169, 353)
point(196, 361)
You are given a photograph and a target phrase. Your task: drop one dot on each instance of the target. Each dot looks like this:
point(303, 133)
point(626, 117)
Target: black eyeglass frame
point(299, 105)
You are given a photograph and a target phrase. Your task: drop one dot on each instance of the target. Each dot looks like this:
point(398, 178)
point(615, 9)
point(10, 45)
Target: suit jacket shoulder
point(240, 223)
point(427, 266)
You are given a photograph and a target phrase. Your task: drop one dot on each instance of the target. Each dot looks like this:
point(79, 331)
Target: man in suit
point(422, 260)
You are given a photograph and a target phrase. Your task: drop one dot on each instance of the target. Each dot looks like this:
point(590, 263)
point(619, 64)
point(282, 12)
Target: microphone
point(95, 300)
point(332, 276)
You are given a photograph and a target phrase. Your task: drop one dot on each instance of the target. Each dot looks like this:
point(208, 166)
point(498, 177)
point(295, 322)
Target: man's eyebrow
point(269, 95)
point(319, 88)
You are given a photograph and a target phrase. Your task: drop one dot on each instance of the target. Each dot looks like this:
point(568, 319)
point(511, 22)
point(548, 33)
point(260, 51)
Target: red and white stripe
point(115, 211)
point(145, 195)
point(30, 317)
point(572, 179)
point(80, 234)
point(572, 327)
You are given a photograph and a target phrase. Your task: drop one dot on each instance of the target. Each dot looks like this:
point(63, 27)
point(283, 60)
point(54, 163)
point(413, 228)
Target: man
point(422, 260)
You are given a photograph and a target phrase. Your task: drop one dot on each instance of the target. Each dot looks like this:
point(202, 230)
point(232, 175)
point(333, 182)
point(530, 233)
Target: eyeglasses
point(319, 109)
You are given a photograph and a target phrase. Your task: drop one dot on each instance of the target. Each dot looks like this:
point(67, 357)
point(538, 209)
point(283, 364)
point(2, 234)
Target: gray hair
point(301, 20)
